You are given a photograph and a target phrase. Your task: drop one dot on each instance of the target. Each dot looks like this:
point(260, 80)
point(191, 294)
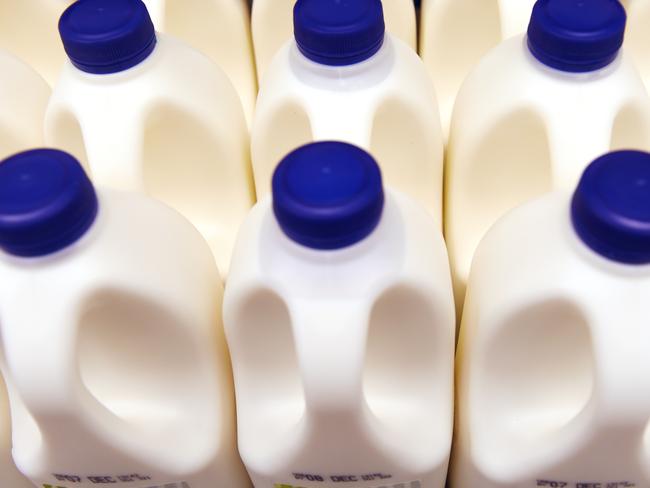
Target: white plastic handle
point(330, 344)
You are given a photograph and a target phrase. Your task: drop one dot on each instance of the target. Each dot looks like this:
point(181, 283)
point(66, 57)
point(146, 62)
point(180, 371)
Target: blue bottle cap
point(107, 36)
point(328, 195)
point(576, 35)
point(611, 207)
point(339, 32)
point(46, 202)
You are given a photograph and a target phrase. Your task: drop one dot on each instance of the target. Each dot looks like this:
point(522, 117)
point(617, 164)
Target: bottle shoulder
point(174, 69)
point(135, 244)
point(533, 254)
point(406, 244)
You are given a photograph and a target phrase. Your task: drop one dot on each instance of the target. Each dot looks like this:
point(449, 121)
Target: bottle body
point(637, 36)
point(385, 104)
point(9, 474)
point(521, 129)
point(551, 370)
point(456, 34)
point(24, 100)
point(29, 30)
point(221, 30)
point(169, 124)
point(331, 348)
point(137, 360)
point(272, 26)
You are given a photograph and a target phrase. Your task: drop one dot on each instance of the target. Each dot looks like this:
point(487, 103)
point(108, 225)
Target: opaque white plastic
point(637, 35)
point(455, 34)
point(553, 363)
point(521, 129)
point(272, 24)
point(116, 359)
point(343, 360)
point(29, 29)
point(171, 126)
point(386, 105)
point(23, 99)
point(218, 28)
point(10, 477)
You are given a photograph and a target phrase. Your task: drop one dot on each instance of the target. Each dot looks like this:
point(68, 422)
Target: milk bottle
point(455, 34)
point(23, 99)
point(147, 113)
point(533, 112)
point(344, 79)
point(554, 372)
point(218, 28)
point(272, 26)
point(28, 30)
point(638, 37)
point(340, 321)
point(10, 477)
point(111, 336)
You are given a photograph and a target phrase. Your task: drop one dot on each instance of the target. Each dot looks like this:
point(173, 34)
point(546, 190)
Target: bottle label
point(348, 481)
point(127, 481)
point(554, 483)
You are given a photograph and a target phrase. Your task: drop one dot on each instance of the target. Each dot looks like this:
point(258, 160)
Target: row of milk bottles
point(453, 35)
point(340, 321)
point(339, 309)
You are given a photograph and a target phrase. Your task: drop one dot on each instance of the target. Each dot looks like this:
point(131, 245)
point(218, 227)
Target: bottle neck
point(351, 77)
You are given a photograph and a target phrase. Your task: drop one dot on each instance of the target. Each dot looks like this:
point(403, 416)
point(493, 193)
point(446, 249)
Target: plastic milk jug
point(340, 322)
point(120, 375)
point(344, 79)
point(218, 28)
point(455, 34)
point(637, 36)
point(10, 477)
point(554, 373)
point(28, 30)
point(23, 100)
point(147, 113)
point(272, 26)
point(533, 112)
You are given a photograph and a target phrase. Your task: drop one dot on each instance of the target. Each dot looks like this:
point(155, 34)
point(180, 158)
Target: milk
point(9, 474)
point(28, 30)
point(162, 119)
point(637, 36)
point(553, 364)
point(360, 86)
point(272, 26)
point(111, 336)
point(455, 34)
point(340, 322)
point(23, 99)
point(218, 28)
point(525, 124)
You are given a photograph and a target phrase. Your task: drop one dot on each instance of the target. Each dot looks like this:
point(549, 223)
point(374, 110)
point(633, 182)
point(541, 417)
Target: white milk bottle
point(554, 371)
point(10, 477)
point(218, 28)
point(23, 100)
point(455, 34)
point(340, 322)
point(533, 112)
point(344, 79)
point(112, 343)
point(272, 26)
point(28, 30)
point(147, 113)
point(638, 35)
